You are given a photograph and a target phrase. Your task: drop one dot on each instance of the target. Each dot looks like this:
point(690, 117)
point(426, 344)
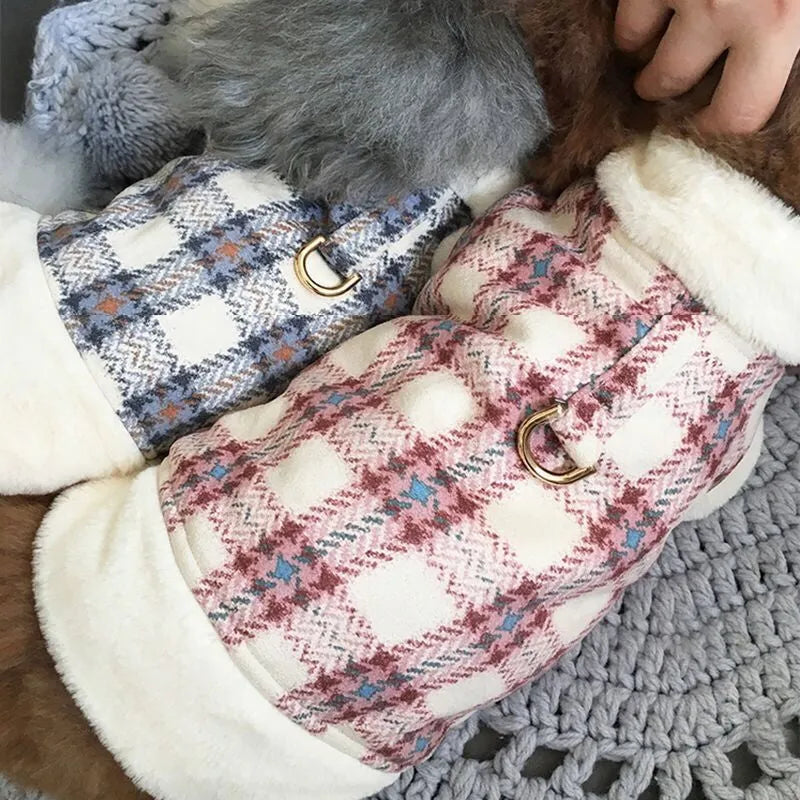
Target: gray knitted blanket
point(92, 87)
point(689, 689)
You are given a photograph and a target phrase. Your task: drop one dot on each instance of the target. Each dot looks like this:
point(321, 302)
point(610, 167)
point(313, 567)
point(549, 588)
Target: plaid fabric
point(369, 547)
point(182, 299)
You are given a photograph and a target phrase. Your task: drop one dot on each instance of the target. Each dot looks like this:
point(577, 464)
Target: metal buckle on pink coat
point(532, 423)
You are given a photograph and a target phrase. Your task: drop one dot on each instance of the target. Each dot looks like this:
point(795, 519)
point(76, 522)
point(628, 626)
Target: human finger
point(751, 87)
point(638, 22)
point(686, 52)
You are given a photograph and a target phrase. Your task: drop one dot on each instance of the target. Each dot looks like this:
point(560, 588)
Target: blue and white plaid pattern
point(182, 299)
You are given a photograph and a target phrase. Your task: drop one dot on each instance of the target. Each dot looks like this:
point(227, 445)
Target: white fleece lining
point(56, 427)
point(731, 241)
point(149, 671)
point(481, 194)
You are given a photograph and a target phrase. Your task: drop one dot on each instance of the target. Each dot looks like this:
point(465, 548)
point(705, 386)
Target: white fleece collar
point(731, 241)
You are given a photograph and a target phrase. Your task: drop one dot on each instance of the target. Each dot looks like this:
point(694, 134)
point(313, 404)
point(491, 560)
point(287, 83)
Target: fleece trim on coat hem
point(56, 426)
point(148, 670)
point(730, 240)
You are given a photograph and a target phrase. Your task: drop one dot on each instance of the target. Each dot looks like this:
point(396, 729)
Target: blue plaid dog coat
point(183, 295)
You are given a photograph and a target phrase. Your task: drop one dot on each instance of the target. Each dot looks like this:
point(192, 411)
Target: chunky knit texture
point(9, 792)
point(92, 87)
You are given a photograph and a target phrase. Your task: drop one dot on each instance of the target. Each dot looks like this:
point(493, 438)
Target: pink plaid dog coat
point(366, 559)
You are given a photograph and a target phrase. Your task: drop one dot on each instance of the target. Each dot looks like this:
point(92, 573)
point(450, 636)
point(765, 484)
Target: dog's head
point(588, 86)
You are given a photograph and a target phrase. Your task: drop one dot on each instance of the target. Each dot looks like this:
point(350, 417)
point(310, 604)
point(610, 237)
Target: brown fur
point(45, 741)
point(589, 91)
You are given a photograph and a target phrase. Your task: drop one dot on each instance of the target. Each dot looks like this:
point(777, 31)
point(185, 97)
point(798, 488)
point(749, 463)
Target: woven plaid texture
point(690, 687)
point(182, 298)
point(370, 548)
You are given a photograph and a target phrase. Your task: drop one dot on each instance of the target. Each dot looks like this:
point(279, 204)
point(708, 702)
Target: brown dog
point(594, 110)
point(45, 742)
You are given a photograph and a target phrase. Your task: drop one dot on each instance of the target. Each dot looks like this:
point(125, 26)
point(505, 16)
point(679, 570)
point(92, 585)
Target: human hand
point(761, 37)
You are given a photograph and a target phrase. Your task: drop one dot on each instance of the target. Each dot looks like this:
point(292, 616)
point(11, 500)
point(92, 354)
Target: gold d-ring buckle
point(533, 422)
point(301, 270)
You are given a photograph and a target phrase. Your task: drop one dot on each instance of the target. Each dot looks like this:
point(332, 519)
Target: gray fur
point(360, 99)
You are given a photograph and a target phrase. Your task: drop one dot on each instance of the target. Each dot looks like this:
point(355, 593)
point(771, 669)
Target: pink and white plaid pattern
point(369, 547)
